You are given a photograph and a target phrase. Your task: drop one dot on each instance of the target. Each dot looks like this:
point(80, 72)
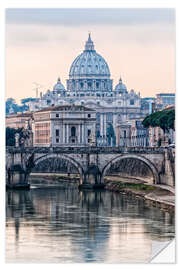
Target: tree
point(163, 119)
point(25, 100)
point(10, 135)
point(11, 104)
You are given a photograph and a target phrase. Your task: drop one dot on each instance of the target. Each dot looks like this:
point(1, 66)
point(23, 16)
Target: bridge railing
point(84, 149)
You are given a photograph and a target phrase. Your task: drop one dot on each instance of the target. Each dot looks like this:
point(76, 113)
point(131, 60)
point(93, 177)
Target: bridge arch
point(71, 160)
point(146, 161)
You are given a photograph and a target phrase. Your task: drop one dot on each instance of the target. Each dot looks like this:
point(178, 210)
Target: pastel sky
point(138, 45)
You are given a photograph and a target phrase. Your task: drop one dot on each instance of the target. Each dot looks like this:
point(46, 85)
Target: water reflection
point(65, 225)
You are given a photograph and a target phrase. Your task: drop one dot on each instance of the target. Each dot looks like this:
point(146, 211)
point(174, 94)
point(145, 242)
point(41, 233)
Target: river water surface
point(62, 225)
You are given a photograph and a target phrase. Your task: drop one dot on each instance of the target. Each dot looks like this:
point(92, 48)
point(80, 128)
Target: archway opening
point(130, 169)
point(55, 170)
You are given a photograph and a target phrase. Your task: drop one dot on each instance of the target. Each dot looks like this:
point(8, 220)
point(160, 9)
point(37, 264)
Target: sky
point(138, 45)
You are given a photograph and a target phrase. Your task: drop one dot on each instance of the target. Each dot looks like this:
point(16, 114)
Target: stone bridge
point(94, 163)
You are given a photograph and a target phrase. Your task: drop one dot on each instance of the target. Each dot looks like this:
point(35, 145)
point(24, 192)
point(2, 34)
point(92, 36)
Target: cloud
point(75, 17)
point(18, 35)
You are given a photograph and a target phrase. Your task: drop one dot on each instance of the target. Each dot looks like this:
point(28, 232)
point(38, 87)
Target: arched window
point(89, 85)
point(73, 132)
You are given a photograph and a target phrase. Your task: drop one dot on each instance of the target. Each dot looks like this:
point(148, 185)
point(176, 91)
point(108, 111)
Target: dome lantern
point(89, 46)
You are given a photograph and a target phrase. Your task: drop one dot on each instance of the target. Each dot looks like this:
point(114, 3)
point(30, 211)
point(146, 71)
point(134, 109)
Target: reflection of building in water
point(131, 236)
point(81, 227)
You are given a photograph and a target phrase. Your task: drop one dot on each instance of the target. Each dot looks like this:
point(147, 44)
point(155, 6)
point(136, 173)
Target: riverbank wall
point(152, 195)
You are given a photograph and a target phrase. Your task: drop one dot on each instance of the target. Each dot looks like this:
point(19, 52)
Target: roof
point(169, 107)
point(25, 114)
point(166, 94)
point(65, 108)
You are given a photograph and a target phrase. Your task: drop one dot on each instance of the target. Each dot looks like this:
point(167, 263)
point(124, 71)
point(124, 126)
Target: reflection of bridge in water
point(89, 220)
point(91, 163)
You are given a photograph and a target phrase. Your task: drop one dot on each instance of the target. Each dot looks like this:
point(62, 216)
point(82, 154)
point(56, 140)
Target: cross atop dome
point(89, 46)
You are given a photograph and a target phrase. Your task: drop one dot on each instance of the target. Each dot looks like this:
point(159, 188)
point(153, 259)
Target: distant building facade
point(164, 99)
point(132, 134)
point(67, 125)
point(19, 120)
point(90, 85)
point(119, 112)
point(148, 104)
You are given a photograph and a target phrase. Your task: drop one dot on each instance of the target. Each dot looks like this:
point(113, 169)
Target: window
point(89, 115)
point(73, 132)
point(57, 132)
point(109, 117)
point(57, 114)
point(132, 102)
point(89, 85)
point(57, 140)
point(89, 132)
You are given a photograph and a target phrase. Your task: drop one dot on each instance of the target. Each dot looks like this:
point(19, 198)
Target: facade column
point(63, 137)
point(79, 133)
point(85, 139)
point(94, 84)
point(67, 140)
point(51, 135)
point(65, 133)
point(83, 134)
point(101, 124)
point(77, 85)
point(105, 124)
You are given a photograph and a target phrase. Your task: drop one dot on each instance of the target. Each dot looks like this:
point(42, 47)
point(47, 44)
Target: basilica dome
point(120, 87)
point(58, 87)
point(89, 64)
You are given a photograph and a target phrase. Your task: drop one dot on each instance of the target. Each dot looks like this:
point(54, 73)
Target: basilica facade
point(90, 84)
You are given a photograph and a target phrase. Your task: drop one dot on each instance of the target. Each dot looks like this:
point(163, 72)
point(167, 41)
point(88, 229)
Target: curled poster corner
point(164, 253)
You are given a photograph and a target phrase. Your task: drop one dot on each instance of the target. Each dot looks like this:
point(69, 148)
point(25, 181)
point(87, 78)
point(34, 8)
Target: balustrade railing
point(77, 149)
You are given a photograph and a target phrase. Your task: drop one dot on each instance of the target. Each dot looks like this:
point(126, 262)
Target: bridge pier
point(17, 178)
point(92, 178)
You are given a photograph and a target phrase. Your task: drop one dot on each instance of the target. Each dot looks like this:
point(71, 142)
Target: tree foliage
point(12, 105)
point(25, 100)
point(163, 119)
point(10, 135)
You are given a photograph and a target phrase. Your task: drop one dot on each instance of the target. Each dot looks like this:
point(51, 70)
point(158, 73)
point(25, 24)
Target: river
point(64, 225)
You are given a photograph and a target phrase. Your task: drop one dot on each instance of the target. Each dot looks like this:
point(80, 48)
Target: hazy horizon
point(138, 45)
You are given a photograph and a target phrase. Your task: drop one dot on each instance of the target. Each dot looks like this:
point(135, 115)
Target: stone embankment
point(154, 195)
